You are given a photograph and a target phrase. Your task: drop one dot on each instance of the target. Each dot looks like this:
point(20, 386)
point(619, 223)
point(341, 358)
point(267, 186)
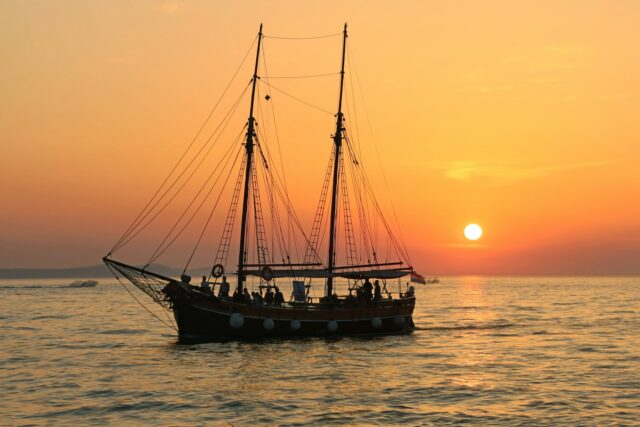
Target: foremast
point(337, 141)
point(247, 175)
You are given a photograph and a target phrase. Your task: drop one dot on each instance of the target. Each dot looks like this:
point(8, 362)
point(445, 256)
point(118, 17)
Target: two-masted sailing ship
point(269, 290)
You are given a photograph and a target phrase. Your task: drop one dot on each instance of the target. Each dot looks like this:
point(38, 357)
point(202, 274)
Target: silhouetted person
point(367, 287)
point(237, 295)
point(204, 285)
point(257, 298)
point(246, 296)
point(224, 288)
point(268, 296)
point(278, 298)
point(377, 291)
point(410, 292)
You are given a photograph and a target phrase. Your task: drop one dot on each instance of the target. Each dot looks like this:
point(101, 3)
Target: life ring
point(267, 273)
point(217, 270)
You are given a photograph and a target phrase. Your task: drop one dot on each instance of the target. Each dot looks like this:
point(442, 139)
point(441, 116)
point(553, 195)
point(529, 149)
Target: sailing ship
point(350, 303)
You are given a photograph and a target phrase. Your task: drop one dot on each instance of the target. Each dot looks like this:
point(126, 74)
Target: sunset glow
point(522, 114)
point(320, 212)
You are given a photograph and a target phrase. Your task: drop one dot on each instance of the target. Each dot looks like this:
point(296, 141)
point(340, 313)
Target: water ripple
point(494, 351)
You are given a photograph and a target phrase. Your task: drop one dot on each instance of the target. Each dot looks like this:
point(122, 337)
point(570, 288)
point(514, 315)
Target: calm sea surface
point(490, 351)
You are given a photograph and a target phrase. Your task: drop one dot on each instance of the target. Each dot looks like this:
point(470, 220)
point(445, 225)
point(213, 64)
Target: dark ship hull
point(203, 317)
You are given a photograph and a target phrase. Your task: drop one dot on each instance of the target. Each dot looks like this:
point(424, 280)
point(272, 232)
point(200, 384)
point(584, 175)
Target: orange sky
point(521, 117)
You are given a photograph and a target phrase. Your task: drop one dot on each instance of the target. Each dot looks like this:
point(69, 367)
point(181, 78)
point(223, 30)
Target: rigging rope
point(297, 99)
point(170, 325)
point(132, 235)
point(307, 76)
point(206, 225)
point(268, 174)
point(136, 221)
point(226, 159)
point(317, 230)
point(222, 254)
point(353, 101)
point(303, 38)
point(275, 212)
point(284, 196)
point(290, 227)
point(402, 241)
point(273, 118)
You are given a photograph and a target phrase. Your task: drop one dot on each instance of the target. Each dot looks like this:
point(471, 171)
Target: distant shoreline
point(92, 271)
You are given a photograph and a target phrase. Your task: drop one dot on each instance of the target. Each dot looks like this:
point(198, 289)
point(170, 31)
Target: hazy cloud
point(171, 7)
point(463, 170)
point(616, 96)
point(487, 89)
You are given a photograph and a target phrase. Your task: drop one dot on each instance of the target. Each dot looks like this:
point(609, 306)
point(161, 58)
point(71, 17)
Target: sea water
point(489, 351)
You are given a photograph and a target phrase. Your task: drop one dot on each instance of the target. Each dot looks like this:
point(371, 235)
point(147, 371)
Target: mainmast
point(247, 175)
point(337, 140)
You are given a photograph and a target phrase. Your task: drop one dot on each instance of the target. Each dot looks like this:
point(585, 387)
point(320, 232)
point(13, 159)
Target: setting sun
point(473, 232)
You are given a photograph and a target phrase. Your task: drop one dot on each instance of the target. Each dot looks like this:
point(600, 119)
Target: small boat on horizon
point(83, 284)
point(353, 277)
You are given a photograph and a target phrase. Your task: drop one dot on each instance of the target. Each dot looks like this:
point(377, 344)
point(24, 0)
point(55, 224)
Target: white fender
point(398, 320)
point(376, 323)
point(295, 325)
point(236, 321)
point(332, 326)
point(268, 324)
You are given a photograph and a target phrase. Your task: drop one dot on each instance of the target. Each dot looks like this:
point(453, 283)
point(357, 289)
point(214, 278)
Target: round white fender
point(268, 324)
point(236, 321)
point(332, 326)
point(376, 323)
point(398, 320)
point(295, 325)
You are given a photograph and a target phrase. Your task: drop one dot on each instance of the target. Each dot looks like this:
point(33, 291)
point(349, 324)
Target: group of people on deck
point(368, 292)
point(271, 297)
point(365, 293)
point(223, 291)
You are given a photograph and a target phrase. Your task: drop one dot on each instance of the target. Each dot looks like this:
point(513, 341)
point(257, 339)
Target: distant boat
point(366, 307)
point(419, 278)
point(84, 284)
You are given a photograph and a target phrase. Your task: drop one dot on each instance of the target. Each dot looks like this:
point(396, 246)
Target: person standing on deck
point(204, 285)
point(368, 289)
point(268, 296)
point(224, 288)
point(278, 298)
point(246, 296)
point(377, 292)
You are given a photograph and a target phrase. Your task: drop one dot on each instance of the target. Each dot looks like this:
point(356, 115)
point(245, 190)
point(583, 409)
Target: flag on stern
point(417, 278)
